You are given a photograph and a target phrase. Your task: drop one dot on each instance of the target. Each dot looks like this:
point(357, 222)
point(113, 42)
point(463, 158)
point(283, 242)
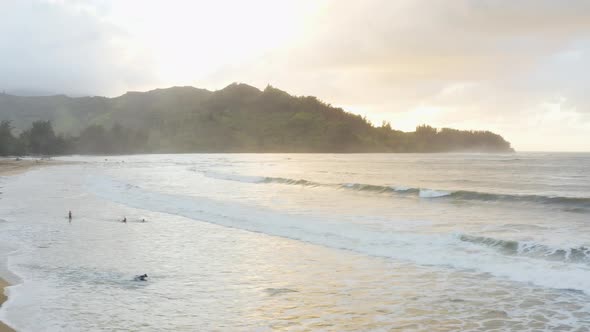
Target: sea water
point(331, 242)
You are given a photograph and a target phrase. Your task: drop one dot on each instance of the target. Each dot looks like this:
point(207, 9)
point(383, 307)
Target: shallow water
point(240, 242)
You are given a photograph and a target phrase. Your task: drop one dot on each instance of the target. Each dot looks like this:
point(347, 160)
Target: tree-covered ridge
point(239, 118)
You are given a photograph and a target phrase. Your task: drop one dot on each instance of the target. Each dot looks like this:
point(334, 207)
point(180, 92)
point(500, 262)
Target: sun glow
point(193, 39)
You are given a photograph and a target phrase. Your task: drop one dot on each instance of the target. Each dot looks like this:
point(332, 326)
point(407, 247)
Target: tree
point(41, 139)
point(7, 140)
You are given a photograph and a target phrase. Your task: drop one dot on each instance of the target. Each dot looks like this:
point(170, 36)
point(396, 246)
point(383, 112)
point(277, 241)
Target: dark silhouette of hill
point(238, 118)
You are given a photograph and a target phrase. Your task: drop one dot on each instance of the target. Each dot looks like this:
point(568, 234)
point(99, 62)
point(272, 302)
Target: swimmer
point(142, 277)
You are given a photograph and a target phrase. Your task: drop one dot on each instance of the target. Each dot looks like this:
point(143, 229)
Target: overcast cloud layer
point(519, 68)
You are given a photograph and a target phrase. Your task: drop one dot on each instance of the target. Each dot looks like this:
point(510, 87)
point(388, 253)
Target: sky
point(518, 68)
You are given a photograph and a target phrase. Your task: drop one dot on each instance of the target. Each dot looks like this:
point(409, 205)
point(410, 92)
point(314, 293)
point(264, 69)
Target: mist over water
point(301, 241)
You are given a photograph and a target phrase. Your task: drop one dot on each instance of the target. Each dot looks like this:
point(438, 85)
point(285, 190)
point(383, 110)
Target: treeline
point(41, 139)
point(238, 118)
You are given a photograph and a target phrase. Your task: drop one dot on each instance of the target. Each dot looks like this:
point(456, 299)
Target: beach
point(3, 284)
point(299, 242)
point(11, 167)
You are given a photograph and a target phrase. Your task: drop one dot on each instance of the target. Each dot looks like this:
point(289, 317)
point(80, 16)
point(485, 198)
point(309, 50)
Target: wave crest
point(579, 254)
point(571, 204)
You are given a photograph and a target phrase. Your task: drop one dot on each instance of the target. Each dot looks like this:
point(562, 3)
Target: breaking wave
point(579, 254)
point(539, 264)
point(299, 182)
point(571, 204)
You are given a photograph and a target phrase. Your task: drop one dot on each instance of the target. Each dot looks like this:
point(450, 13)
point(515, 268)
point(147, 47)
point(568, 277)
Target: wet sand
point(12, 166)
point(3, 284)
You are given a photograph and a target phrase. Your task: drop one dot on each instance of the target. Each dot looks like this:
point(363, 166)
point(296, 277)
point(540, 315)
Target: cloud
point(479, 64)
point(66, 47)
point(466, 63)
point(389, 42)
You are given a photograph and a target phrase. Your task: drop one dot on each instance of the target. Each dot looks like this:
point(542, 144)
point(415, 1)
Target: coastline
point(3, 298)
point(10, 166)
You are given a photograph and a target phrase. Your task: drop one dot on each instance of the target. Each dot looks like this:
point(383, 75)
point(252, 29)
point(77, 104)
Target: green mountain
point(238, 118)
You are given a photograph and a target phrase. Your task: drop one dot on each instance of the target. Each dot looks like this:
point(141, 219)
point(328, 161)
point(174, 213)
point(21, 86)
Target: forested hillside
point(239, 118)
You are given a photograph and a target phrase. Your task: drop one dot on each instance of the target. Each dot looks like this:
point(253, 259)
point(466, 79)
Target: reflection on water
point(210, 277)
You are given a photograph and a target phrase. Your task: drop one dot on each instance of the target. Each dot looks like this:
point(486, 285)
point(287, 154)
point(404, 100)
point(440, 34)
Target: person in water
point(142, 277)
point(70, 215)
point(124, 219)
point(142, 220)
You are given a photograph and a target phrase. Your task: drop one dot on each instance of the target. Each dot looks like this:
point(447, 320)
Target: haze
point(517, 68)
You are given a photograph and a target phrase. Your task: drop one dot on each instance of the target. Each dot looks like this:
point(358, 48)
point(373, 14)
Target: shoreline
point(8, 167)
point(3, 298)
point(12, 166)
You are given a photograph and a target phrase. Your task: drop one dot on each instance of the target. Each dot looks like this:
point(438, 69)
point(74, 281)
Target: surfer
point(142, 277)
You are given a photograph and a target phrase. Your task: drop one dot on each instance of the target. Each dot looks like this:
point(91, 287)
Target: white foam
point(400, 188)
point(235, 177)
point(424, 249)
point(60, 275)
point(430, 193)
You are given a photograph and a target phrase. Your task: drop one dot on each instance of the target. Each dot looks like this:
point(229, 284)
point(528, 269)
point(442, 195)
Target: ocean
point(299, 242)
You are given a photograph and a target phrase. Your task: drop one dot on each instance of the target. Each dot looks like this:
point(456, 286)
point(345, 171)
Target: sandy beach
point(12, 166)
